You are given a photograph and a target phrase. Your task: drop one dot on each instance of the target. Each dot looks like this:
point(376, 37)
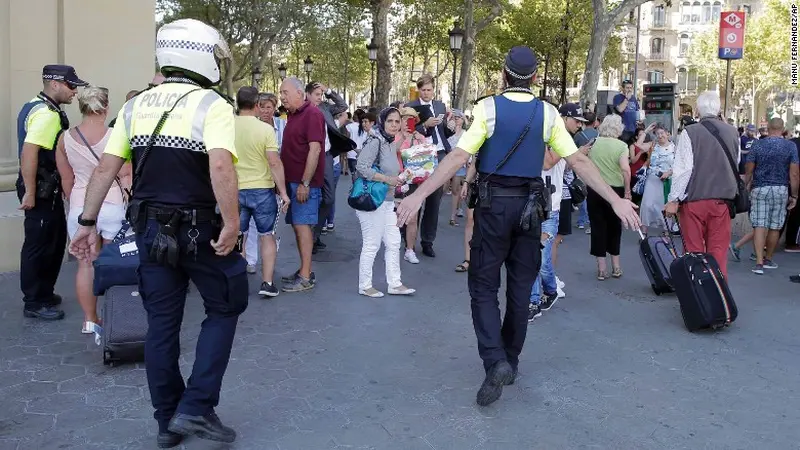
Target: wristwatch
point(306, 184)
point(86, 222)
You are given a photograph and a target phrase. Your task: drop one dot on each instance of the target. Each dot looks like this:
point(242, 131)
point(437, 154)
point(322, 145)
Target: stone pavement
point(609, 367)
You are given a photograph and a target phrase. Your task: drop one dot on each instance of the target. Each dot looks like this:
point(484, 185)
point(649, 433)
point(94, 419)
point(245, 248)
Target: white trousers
point(376, 226)
point(251, 245)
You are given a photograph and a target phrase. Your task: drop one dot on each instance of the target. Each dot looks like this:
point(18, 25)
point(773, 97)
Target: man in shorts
point(260, 172)
point(772, 173)
point(304, 165)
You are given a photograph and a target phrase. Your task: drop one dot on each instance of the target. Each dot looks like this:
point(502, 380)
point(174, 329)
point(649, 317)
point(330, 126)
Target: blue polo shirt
point(631, 113)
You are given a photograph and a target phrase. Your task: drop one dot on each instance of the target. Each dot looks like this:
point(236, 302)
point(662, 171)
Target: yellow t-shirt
point(555, 133)
point(254, 139)
point(42, 126)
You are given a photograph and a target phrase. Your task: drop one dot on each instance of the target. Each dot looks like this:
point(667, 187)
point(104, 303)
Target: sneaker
point(768, 264)
point(548, 300)
point(534, 311)
point(401, 290)
point(371, 292)
point(560, 292)
point(460, 212)
point(44, 313)
point(581, 227)
point(758, 269)
point(299, 284)
point(411, 257)
point(752, 257)
point(792, 249)
point(560, 283)
point(268, 290)
point(735, 253)
point(290, 278)
point(331, 227)
point(251, 269)
point(588, 230)
point(794, 278)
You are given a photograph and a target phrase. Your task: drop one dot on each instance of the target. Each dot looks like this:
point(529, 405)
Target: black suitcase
point(124, 325)
point(657, 254)
point(703, 293)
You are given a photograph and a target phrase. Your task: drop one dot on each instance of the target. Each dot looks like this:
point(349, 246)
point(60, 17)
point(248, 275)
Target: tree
point(762, 66)
point(474, 23)
point(380, 32)
point(606, 18)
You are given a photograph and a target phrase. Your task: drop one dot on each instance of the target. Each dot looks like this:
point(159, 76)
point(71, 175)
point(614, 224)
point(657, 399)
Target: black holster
point(165, 249)
point(48, 184)
point(484, 194)
point(135, 215)
point(537, 208)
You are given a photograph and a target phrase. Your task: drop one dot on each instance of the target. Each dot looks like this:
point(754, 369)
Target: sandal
point(463, 267)
point(601, 276)
point(453, 223)
point(616, 273)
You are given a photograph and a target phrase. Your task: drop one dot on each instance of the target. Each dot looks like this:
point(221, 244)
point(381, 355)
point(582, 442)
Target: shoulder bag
point(367, 195)
point(740, 203)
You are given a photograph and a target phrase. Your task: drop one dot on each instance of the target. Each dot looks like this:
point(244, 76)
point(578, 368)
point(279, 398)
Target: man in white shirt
point(435, 129)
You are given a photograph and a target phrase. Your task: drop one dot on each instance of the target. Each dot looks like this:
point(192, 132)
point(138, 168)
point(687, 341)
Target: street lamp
point(309, 66)
point(456, 39)
point(282, 71)
point(256, 77)
point(372, 53)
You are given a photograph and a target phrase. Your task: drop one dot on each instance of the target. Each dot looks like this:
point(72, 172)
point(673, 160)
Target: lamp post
point(456, 39)
point(256, 77)
point(372, 53)
point(282, 71)
point(309, 66)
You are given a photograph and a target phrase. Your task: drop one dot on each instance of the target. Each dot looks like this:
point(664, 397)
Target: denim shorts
point(303, 213)
point(262, 206)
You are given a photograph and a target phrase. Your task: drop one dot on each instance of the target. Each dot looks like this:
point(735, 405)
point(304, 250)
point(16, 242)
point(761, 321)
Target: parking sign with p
point(731, 34)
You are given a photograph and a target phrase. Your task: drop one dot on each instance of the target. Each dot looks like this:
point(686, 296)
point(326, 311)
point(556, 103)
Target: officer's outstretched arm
point(587, 171)
point(225, 184)
point(102, 178)
point(447, 168)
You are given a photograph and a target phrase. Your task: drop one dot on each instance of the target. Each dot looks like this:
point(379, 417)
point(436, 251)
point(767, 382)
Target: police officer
point(508, 135)
point(39, 124)
point(180, 138)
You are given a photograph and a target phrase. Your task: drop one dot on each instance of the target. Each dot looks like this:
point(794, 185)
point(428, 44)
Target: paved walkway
point(609, 367)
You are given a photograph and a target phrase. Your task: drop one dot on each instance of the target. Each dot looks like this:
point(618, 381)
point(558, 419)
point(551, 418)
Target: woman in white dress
point(659, 173)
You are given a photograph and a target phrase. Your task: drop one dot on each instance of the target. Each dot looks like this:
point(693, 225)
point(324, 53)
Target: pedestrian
point(303, 161)
point(509, 133)
point(772, 172)
point(39, 125)
point(627, 106)
point(657, 183)
point(703, 182)
point(187, 127)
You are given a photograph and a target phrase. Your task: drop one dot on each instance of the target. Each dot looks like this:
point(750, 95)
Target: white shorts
point(109, 221)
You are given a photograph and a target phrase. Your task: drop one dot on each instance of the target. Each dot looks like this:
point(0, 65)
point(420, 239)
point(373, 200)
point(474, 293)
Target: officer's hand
point(792, 203)
point(671, 209)
point(302, 194)
point(626, 211)
point(84, 244)
point(28, 201)
point(407, 208)
point(227, 239)
point(285, 202)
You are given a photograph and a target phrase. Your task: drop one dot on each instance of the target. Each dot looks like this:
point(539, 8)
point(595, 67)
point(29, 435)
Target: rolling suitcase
point(657, 253)
point(124, 325)
point(703, 293)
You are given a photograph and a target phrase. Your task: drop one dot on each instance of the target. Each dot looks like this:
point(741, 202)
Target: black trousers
point(606, 226)
point(430, 213)
point(328, 196)
point(793, 227)
point(497, 239)
point(42, 251)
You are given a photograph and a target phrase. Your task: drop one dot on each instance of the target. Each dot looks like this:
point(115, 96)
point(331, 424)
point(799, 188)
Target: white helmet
point(192, 46)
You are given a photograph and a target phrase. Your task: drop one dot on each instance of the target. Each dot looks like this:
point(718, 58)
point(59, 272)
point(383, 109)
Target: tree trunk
point(601, 33)
point(543, 94)
point(346, 54)
point(383, 76)
point(565, 56)
point(471, 30)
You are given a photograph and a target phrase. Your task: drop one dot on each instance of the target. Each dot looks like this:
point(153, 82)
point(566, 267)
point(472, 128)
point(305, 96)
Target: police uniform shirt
point(176, 171)
point(42, 126)
point(483, 122)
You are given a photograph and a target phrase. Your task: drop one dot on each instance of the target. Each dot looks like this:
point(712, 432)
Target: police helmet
point(192, 47)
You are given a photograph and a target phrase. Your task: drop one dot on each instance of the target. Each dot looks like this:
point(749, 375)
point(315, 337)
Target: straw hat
point(408, 111)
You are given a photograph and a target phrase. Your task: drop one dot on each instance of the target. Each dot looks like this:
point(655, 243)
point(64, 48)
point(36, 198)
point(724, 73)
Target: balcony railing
point(657, 56)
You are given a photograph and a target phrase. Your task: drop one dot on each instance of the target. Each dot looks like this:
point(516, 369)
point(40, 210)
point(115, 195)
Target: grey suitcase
point(124, 325)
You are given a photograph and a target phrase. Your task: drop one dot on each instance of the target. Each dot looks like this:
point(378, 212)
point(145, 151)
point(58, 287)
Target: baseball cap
point(572, 110)
point(750, 127)
point(60, 72)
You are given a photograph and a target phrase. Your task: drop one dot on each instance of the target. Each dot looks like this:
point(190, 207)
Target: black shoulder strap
point(86, 143)
point(139, 165)
point(516, 145)
point(713, 130)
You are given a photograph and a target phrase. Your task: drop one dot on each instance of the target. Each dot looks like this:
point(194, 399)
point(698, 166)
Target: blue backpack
point(117, 263)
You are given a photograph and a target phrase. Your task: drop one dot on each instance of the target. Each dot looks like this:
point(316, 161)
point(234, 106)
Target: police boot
point(205, 427)
point(499, 375)
point(168, 439)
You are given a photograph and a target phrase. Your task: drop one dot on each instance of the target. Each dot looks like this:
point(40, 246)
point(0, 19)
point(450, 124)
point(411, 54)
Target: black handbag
point(577, 191)
point(740, 203)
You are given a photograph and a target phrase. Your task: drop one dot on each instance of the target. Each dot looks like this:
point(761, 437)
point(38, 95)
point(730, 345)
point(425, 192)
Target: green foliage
point(766, 52)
